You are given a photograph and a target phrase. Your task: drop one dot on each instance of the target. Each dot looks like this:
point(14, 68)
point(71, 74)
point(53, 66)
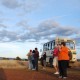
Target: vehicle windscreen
point(70, 45)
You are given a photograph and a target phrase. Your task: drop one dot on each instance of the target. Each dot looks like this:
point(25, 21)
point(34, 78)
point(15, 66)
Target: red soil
point(25, 74)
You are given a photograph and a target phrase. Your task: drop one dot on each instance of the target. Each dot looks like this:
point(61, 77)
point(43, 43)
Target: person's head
point(33, 51)
point(63, 44)
point(30, 50)
point(59, 45)
point(44, 52)
point(36, 49)
point(55, 46)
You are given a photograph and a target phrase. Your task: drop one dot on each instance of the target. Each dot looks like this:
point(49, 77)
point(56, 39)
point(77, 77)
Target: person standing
point(41, 59)
point(36, 57)
point(51, 62)
point(44, 60)
point(30, 59)
point(33, 60)
point(55, 59)
point(63, 60)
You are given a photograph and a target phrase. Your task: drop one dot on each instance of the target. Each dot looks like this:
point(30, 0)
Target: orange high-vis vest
point(63, 54)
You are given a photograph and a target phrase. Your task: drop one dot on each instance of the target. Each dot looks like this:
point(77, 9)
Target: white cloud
point(44, 30)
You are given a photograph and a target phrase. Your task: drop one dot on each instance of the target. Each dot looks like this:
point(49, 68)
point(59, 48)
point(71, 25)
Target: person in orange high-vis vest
point(63, 60)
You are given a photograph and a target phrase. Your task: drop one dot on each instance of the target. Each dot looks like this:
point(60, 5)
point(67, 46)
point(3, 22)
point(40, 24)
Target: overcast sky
point(26, 24)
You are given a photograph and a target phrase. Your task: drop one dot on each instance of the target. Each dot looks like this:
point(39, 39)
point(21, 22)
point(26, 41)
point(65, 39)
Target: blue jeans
point(33, 63)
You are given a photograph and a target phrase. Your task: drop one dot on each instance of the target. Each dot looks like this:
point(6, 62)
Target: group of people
point(33, 56)
point(61, 60)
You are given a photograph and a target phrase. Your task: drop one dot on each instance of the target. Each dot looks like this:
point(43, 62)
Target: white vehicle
point(49, 46)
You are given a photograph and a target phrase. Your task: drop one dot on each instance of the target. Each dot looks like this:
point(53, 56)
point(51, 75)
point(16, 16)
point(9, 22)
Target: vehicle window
point(70, 45)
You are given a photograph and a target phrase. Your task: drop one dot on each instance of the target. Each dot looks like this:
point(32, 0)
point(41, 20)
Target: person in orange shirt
point(63, 60)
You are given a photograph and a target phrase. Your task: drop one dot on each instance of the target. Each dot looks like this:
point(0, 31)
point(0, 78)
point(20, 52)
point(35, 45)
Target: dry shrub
point(11, 64)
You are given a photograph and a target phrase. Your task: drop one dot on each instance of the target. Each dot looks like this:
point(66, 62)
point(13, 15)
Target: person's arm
point(59, 48)
point(38, 53)
point(28, 54)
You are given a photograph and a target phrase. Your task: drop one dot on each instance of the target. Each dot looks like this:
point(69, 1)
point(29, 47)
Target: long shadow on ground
point(2, 74)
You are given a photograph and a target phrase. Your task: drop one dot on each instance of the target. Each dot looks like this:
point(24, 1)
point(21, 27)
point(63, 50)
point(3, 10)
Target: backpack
point(70, 55)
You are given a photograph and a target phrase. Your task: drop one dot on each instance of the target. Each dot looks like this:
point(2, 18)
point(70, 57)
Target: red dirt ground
point(25, 74)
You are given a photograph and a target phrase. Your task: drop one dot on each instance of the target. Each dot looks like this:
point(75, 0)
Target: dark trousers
point(63, 64)
point(42, 62)
point(33, 63)
point(36, 64)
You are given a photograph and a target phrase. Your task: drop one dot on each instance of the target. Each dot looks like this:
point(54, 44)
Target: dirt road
point(17, 70)
point(25, 74)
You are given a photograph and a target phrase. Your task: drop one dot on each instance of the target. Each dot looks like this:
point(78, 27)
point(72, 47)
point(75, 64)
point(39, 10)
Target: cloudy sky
point(26, 24)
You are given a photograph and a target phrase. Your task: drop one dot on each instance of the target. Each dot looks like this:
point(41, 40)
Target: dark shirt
point(44, 57)
point(36, 54)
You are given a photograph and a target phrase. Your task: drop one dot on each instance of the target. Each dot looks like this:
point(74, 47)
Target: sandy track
point(25, 74)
